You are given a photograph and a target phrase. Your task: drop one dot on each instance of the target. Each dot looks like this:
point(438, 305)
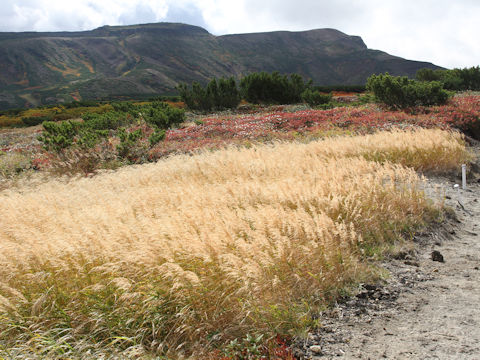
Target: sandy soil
point(427, 309)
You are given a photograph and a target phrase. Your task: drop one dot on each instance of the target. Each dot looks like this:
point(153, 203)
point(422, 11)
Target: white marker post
point(456, 187)
point(464, 177)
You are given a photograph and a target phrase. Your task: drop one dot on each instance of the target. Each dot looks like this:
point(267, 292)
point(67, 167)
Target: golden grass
point(184, 255)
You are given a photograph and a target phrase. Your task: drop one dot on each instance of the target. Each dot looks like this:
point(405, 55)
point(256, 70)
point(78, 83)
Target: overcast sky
point(445, 32)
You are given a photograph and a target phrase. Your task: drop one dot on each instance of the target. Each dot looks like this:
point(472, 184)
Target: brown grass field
point(182, 256)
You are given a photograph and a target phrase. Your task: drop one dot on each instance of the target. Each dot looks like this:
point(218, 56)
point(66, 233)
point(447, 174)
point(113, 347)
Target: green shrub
point(217, 95)
point(400, 92)
point(156, 117)
point(57, 136)
point(110, 120)
point(128, 143)
point(156, 137)
point(366, 98)
point(345, 88)
point(124, 106)
point(171, 98)
point(84, 103)
point(228, 96)
point(86, 134)
point(272, 88)
point(88, 138)
point(456, 79)
point(35, 120)
point(162, 115)
point(11, 112)
point(315, 98)
point(470, 77)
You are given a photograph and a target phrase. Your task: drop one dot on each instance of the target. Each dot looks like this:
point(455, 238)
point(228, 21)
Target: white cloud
point(56, 15)
point(440, 31)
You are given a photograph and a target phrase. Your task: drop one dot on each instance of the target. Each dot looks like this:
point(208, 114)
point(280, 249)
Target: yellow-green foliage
point(9, 120)
point(193, 251)
point(56, 113)
point(78, 112)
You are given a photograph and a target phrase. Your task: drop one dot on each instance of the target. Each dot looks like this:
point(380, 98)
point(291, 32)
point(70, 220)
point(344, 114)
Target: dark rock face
point(149, 59)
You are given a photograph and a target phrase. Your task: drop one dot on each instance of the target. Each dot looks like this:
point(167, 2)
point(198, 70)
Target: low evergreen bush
point(60, 135)
point(399, 92)
point(456, 79)
point(273, 88)
point(162, 115)
point(315, 98)
point(156, 137)
point(217, 95)
point(35, 120)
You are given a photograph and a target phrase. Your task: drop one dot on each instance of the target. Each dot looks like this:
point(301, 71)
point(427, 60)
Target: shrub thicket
point(456, 79)
point(164, 98)
point(35, 120)
point(315, 98)
point(11, 112)
point(217, 95)
point(273, 88)
point(128, 148)
point(110, 120)
point(400, 92)
point(159, 116)
point(57, 136)
point(345, 88)
point(83, 103)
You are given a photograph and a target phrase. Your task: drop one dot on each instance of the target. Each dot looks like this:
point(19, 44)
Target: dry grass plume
point(189, 253)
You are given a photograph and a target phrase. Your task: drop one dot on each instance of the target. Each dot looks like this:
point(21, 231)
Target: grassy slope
point(194, 251)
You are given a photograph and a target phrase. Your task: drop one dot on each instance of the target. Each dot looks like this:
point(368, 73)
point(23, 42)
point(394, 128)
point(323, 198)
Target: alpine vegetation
point(183, 256)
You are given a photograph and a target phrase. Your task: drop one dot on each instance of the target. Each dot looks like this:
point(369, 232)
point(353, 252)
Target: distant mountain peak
point(148, 59)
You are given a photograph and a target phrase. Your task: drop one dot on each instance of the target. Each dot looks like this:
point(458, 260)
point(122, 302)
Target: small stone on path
point(437, 256)
point(316, 349)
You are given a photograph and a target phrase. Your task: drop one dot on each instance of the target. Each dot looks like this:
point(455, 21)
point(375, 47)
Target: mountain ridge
point(142, 60)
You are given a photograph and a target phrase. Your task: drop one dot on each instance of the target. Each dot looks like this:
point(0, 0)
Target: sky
point(444, 32)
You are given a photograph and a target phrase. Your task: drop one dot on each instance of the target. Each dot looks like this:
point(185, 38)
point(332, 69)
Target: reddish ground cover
point(461, 112)
point(249, 125)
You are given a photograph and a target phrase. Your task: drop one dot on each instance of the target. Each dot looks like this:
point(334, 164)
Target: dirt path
point(427, 309)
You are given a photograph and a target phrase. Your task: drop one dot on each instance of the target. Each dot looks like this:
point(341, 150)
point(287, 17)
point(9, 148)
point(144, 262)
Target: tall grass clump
point(182, 257)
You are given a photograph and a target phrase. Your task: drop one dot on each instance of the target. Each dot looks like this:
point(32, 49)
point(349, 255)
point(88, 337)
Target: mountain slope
point(39, 68)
